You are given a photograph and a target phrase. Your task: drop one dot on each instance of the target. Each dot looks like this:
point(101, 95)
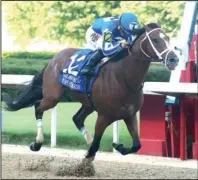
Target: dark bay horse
point(117, 92)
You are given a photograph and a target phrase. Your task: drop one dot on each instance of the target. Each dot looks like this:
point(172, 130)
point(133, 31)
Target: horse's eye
point(155, 40)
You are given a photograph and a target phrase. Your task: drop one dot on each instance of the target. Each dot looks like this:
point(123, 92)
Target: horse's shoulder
point(69, 50)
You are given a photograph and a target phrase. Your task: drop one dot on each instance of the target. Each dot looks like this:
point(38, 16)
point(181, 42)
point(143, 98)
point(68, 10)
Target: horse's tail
point(27, 96)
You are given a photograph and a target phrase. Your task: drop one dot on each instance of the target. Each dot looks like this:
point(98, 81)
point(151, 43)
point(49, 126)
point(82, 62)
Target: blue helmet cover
point(128, 21)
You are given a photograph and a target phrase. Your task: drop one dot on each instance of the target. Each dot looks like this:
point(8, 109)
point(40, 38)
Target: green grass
point(22, 66)
point(28, 54)
point(20, 128)
point(16, 65)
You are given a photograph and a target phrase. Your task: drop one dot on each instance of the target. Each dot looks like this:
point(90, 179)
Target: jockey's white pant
point(93, 39)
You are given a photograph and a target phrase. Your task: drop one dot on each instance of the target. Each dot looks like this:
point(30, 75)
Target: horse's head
point(154, 44)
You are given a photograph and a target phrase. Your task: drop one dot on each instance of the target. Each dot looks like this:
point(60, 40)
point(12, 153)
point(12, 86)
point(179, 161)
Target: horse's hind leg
point(40, 107)
point(79, 119)
point(52, 92)
point(35, 146)
point(131, 123)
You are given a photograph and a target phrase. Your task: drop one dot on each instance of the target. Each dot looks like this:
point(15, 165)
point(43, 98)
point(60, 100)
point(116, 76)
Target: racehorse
point(117, 92)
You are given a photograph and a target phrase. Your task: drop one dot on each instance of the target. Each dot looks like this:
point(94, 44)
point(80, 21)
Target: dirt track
point(22, 164)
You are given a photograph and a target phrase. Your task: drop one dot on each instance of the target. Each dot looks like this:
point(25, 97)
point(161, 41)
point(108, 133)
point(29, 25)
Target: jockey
point(107, 36)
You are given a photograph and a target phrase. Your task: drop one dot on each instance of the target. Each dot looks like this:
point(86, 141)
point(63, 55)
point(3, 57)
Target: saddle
point(71, 77)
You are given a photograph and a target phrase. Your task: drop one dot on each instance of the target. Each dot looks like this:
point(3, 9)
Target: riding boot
point(93, 61)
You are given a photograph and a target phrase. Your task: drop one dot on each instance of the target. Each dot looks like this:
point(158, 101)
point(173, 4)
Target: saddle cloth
point(70, 76)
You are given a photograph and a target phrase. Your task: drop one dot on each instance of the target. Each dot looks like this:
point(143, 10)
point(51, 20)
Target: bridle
point(159, 55)
point(167, 51)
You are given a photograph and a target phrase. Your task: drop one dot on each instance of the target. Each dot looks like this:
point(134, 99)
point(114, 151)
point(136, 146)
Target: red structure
point(153, 126)
point(179, 136)
point(191, 104)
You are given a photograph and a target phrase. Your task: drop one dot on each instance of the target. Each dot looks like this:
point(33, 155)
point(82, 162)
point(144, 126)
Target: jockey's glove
point(125, 44)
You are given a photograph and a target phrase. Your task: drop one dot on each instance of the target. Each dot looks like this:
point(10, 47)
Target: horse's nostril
point(172, 60)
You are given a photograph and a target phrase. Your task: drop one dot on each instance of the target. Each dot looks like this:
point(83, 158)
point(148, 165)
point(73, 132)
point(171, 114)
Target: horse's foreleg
point(79, 119)
point(132, 126)
point(101, 125)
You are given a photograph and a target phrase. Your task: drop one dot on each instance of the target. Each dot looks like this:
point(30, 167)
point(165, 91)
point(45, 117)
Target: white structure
point(53, 127)
point(187, 27)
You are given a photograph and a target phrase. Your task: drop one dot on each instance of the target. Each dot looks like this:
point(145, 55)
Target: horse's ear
point(159, 25)
point(152, 26)
point(146, 27)
point(139, 31)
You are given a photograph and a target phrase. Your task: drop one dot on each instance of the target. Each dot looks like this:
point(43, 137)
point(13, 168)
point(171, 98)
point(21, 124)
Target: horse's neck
point(135, 70)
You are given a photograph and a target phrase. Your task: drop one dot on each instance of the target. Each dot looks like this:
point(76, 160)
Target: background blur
point(51, 25)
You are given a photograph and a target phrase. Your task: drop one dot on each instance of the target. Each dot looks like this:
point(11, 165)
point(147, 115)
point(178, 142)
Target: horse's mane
point(153, 25)
point(139, 32)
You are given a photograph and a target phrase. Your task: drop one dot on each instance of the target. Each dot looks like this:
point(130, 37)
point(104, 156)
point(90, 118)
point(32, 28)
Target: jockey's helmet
point(128, 22)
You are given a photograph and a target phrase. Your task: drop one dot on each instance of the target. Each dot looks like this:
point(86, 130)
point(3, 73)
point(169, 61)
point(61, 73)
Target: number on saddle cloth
point(70, 76)
point(77, 61)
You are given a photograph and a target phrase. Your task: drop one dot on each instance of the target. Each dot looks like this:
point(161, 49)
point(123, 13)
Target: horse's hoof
point(87, 160)
point(114, 145)
point(136, 148)
point(35, 146)
point(117, 147)
point(85, 168)
point(120, 148)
